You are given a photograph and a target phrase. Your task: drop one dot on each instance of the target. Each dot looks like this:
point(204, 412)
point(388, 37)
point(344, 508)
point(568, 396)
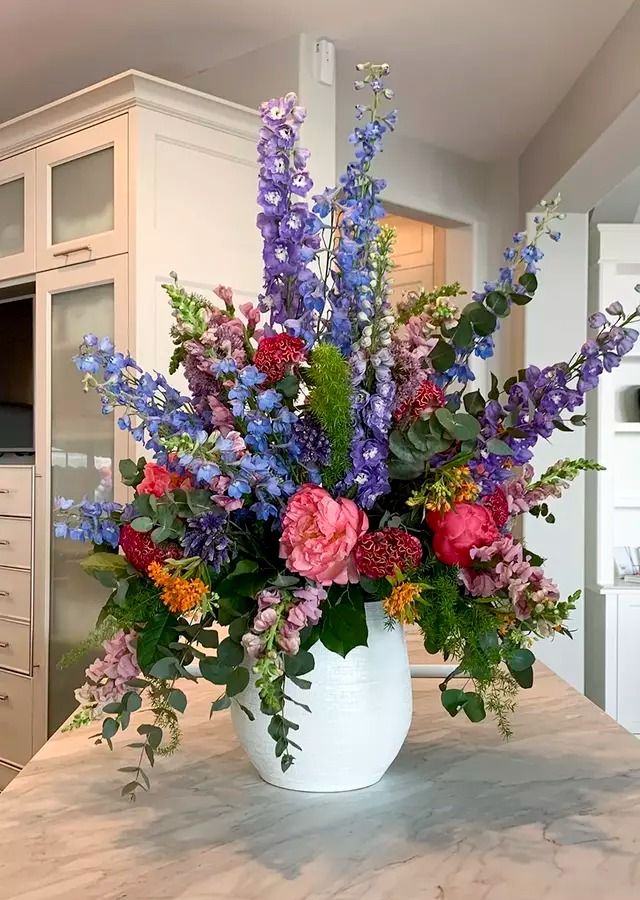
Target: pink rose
point(157, 480)
point(319, 534)
point(455, 532)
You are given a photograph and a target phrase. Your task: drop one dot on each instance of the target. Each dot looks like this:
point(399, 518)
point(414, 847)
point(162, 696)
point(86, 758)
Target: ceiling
point(475, 76)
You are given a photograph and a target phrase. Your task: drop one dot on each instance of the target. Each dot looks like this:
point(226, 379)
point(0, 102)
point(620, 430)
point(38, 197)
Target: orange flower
point(400, 602)
point(179, 594)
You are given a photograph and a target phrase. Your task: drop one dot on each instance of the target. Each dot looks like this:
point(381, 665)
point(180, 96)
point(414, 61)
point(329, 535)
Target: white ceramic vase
point(361, 710)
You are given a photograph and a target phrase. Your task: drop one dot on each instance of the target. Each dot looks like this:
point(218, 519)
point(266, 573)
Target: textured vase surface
point(360, 715)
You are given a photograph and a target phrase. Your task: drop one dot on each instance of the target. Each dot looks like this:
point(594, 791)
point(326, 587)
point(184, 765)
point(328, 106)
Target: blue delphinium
point(291, 233)
point(88, 520)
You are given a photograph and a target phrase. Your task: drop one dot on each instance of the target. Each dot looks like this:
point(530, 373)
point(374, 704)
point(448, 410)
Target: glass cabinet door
point(77, 450)
point(17, 215)
point(83, 191)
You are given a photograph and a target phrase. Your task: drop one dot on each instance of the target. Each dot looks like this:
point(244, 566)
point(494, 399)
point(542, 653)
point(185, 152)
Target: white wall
point(555, 328)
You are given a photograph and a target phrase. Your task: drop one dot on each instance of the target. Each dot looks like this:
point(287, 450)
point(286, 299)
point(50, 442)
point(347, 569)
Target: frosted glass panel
point(12, 217)
point(81, 466)
point(82, 196)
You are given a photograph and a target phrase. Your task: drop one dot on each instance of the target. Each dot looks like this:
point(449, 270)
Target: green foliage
point(428, 301)
point(191, 310)
point(343, 625)
point(466, 631)
point(330, 400)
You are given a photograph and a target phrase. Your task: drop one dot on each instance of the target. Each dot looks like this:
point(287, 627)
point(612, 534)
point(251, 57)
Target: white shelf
point(627, 503)
point(628, 427)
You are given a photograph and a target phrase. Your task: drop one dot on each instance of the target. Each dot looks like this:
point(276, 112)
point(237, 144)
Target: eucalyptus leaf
point(237, 681)
point(142, 523)
point(498, 447)
point(443, 356)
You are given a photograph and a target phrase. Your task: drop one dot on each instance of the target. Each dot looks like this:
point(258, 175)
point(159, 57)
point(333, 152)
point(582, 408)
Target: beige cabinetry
point(102, 195)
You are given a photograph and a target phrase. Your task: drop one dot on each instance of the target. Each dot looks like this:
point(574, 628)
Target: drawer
point(15, 718)
point(16, 486)
point(15, 646)
point(15, 542)
point(15, 594)
point(7, 774)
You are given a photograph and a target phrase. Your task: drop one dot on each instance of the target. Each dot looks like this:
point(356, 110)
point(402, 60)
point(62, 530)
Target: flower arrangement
point(331, 452)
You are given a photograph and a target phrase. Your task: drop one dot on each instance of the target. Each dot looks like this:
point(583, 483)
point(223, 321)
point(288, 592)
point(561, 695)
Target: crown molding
point(116, 96)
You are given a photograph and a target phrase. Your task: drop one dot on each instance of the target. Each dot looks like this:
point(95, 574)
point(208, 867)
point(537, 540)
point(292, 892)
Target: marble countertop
point(461, 815)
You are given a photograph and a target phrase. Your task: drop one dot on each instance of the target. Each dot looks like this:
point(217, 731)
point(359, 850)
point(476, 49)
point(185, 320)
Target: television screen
point(16, 374)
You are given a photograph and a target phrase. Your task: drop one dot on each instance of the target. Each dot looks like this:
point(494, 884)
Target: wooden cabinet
point(82, 187)
point(17, 215)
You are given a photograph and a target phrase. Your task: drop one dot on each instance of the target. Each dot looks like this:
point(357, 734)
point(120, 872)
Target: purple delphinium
point(309, 443)
point(206, 536)
point(290, 231)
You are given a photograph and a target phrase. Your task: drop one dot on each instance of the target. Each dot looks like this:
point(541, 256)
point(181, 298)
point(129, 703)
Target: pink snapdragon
point(509, 571)
point(107, 676)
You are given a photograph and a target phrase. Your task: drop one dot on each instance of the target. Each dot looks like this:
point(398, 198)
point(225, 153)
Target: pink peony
point(460, 529)
point(319, 534)
point(157, 480)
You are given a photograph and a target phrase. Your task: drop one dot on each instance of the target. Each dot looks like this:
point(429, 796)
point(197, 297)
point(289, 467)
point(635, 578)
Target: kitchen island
point(461, 815)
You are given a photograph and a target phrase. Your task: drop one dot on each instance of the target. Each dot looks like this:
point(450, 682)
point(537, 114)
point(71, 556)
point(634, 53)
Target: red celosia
point(381, 553)
point(498, 507)
point(275, 355)
point(140, 550)
point(427, 398)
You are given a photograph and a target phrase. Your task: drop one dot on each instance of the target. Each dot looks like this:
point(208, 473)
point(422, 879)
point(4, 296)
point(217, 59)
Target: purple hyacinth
point(205, 536)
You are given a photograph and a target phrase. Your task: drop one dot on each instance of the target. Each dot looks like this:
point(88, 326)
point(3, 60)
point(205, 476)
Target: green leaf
point(483, 320)
point(300, 664)
point(446, 419)
point(159, 632)
point(453, 699)
point(520, 659)
point(520, 299)
point(529, 282)
point(132, 701)
point(465, 427)
point(167, 667)
point(494, 391)
point(402, 448)
point(289, 386)
point(109, 728)
point(115, 707)
point(405, 471)
point(237, 681)
point(489, 641)
point(142, 523)
point(177, 700)
point(419, 434)
point(161, 533)
point(112, 563)
point(474, 707)
point(214, 671)
point(498, 447)
point(344, 627)
point(208, 638)
point(463, 333)
point(237, 628)
point(498, 303)
point(250, 716)
point(223, 702)
point(230, 653)
point(474, 403)
point(443, 356)
point(130, 472)
point(524, 678)
point(153, 734)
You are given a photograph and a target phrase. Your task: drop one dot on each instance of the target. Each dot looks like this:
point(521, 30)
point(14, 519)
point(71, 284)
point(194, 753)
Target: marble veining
point(554, 814)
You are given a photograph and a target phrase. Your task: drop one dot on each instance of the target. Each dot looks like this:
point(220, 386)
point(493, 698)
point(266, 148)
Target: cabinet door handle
point(4, 543)
point(4, 645)
point(5, 594)
point(4, 698)
point(73, 250)
point(5, 491)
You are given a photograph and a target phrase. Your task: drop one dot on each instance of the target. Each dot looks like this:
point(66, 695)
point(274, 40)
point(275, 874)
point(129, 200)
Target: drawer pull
point(5, 594)
point(72, 250)
point(4, 698)
point(5, 491)
point(4, 543)
point(4, 645)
